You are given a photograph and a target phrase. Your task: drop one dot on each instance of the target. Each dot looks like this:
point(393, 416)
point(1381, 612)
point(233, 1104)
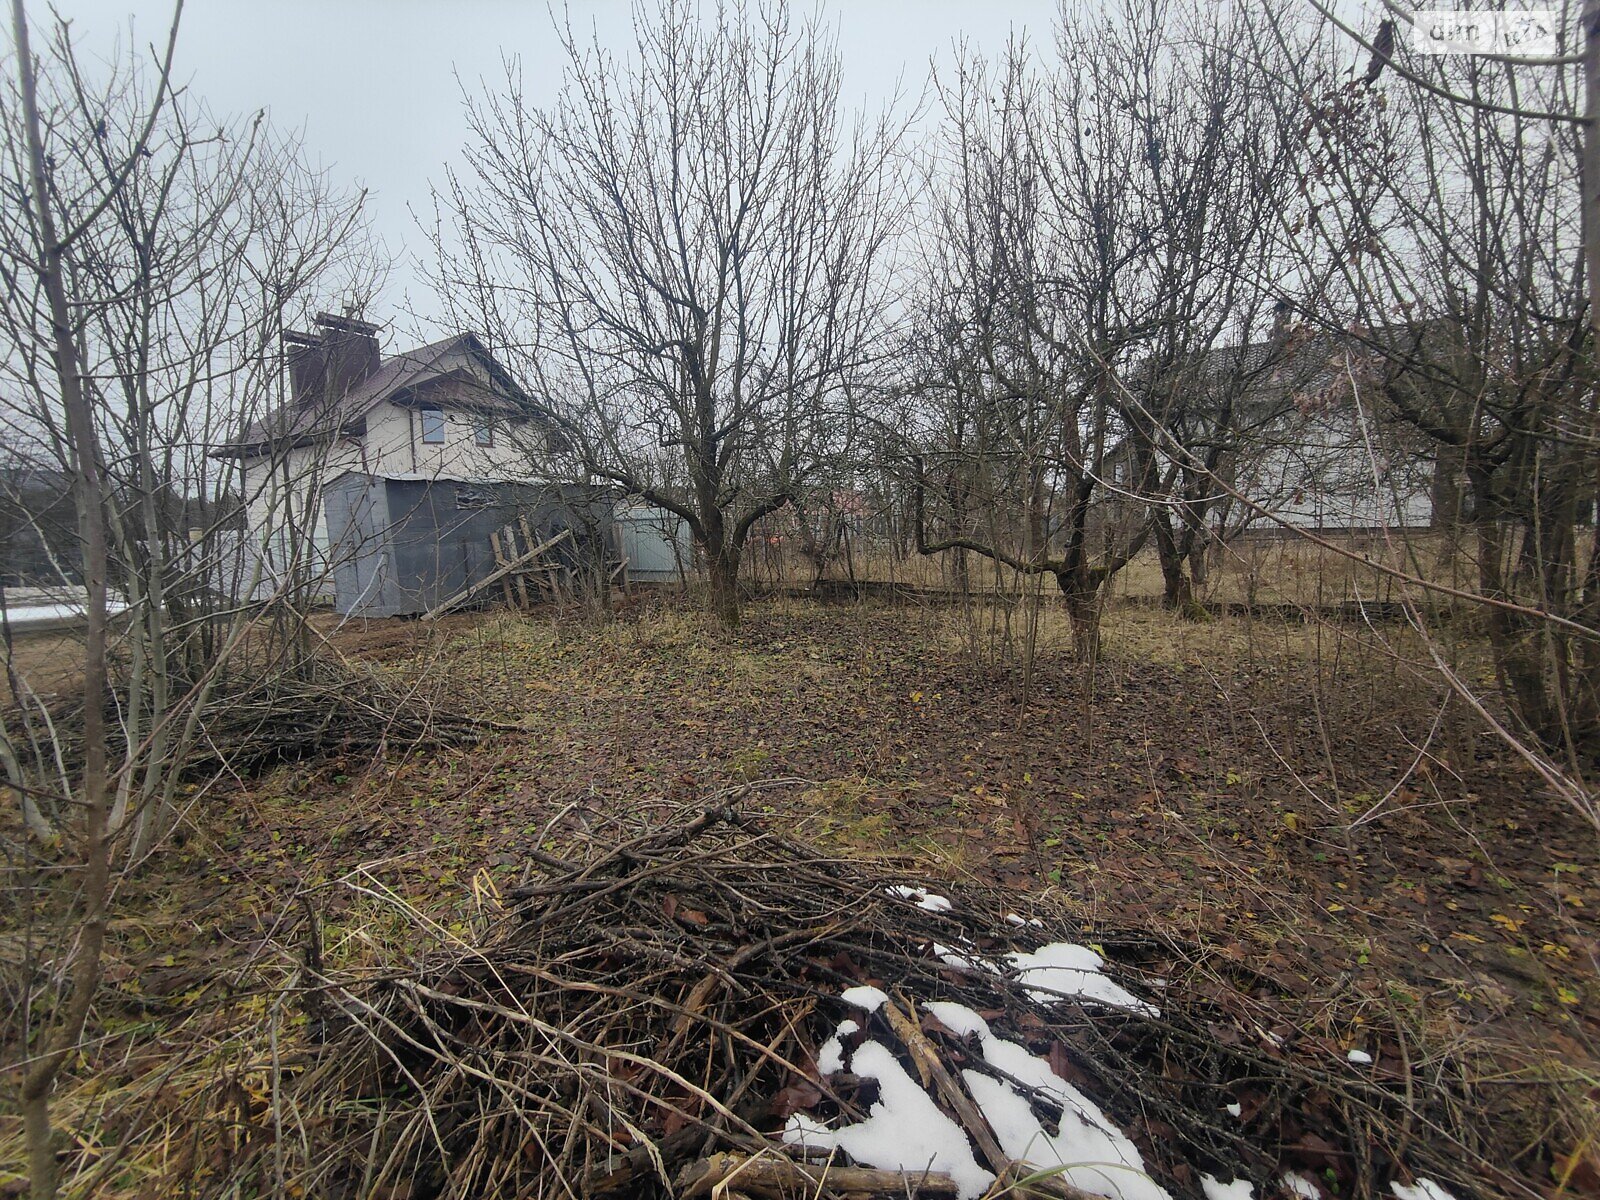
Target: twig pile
point(328, 706)
point(251, 720)
point(644, 1025)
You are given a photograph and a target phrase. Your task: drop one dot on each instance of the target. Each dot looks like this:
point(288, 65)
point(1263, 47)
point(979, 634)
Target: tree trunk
point(1177, 591)
point(1082, 602)
point(1513, 643)
point(51, 1053)
point(1199, 562)
point(723, 567)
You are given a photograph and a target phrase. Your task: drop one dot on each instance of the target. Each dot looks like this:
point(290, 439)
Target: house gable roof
point(411, 376)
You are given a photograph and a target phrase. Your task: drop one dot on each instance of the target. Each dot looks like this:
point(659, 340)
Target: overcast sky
point(373, 82)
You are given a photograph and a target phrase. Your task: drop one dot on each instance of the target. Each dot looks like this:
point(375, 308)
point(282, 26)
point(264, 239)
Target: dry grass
point(1263, 568)
point(190, 1074)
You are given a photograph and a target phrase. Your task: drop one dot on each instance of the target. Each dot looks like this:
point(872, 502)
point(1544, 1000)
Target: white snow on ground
point(1423, 1189)
point(1099, 1158)
point(965, 962)
point(921, 897)
point(1359, 1057)
point(903, 1131)
point(55, 614)
point(1062, 971)
point(869, 998)
point(1019, 919)
point(830, 1058)
point(1235, 1110)
point(1057, 972)
point(1237, 1189)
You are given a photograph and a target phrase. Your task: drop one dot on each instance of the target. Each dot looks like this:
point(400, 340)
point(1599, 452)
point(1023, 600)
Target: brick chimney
point(324, 366)
point(1282, 315)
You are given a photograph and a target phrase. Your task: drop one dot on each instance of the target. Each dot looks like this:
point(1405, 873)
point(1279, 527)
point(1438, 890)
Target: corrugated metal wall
point(655, 542)
point(401, 546)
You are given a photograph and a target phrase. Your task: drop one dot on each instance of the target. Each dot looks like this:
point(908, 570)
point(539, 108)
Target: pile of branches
point(325, 706)
point(255, 717)
point(644, 1024)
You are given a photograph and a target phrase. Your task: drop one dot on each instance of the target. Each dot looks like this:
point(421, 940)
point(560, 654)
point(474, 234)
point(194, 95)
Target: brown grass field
point(1334, 846)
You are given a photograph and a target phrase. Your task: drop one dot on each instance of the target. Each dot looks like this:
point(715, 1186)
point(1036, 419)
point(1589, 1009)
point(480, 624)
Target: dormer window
point(483, 431)
point(432, 426)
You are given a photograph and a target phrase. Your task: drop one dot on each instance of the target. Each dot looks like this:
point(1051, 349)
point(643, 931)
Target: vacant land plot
point(1270, 807)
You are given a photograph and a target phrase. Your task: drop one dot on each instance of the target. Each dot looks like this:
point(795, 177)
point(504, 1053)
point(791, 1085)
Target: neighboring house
point(1325, 457)
point(388, 475)
point(1307, 441)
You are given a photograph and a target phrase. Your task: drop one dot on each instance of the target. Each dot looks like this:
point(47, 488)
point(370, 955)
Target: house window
point(432, 427)
point(483, 432)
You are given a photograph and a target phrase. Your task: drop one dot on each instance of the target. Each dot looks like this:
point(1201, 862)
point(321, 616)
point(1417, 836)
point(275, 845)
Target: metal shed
point(656, 543)
point(401, 546)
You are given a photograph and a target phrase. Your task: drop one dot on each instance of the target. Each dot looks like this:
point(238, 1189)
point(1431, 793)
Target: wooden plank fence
point(523, 573)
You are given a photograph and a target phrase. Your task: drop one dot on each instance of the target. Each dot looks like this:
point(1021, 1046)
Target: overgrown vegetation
point(1266, 344)
point(1296, 865)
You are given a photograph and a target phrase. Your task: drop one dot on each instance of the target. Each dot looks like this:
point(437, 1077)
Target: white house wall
point(1329, 470)
point(278, 491)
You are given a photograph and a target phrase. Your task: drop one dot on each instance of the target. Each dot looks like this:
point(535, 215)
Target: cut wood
point(496, 575)
point(1025, 1179)
point(519, 578)
point(500, 560)
point(931, 1068)
point(658, 998)
point(632, 1171)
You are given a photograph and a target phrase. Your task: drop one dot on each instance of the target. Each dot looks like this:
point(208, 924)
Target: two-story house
point(382, 479)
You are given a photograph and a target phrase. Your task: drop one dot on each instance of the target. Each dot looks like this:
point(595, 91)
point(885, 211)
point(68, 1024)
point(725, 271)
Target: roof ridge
point(394, 373)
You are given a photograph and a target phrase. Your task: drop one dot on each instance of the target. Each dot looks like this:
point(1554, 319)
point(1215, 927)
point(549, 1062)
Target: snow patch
point(921, 897)
point(869, 998)
point(903, 1131)
point(1053, 973)
point(1300, 1185)
point(1423, 1189)
point(1097, 1156)
point(57, 614)
point(830, 1059)
point(964, 962)
point(1064, 971)
point(1235, 1110)
point(958, 1018)
point(1019, 919)
point(1237, 1189)
point(1359, 1057)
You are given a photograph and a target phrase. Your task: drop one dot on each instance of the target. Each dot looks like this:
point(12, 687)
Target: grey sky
point(372, 82)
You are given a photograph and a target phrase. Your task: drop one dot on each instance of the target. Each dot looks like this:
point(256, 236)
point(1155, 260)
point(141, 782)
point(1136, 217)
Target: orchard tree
point(686, 253)
point(148, 252)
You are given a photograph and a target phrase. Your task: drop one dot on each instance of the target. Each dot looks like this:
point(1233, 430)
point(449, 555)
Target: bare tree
point(138, 330)
point(686, 252)
point(1445, 233)
point(1087, 262)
